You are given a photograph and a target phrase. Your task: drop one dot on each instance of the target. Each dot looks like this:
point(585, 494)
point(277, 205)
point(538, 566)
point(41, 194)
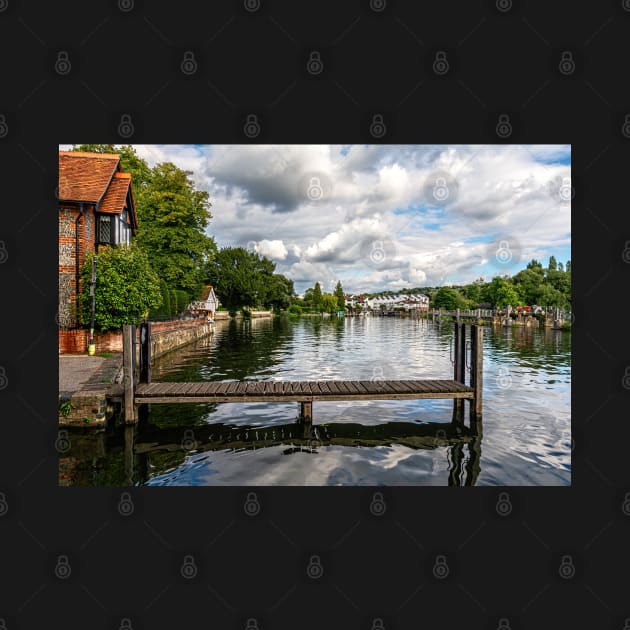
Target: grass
point(106, 355)
point(65, 408)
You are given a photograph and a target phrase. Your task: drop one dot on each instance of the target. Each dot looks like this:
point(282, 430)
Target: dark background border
point(374, 61)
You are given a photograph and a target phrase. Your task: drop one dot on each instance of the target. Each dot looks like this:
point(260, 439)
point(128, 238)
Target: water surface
point(526, 437)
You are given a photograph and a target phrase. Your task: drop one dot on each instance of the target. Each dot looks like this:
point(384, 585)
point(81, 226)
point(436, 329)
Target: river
point(526, 438)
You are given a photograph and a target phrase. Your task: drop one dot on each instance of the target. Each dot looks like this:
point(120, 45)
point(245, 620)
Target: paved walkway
point(78, 372)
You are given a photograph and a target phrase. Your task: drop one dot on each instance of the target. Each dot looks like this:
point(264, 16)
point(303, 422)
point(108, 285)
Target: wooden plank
point(398, 387)
point(128, 356)
point(230, 388)
point(278, 390)
point(268, 387)
point(241, 388)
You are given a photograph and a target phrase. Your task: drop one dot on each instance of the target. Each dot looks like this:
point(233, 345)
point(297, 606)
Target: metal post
point(145, 352)
point(91, 344)
point(129, 352)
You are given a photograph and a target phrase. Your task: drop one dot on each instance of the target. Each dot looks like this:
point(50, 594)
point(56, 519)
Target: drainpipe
point(91, 344)
point(76, 260)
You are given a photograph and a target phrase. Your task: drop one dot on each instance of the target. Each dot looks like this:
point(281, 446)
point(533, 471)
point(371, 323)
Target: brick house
point(96, 209)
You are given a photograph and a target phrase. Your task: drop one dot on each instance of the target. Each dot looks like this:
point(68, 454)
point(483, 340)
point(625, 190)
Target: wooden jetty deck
point(306, 392)
point(298, 391)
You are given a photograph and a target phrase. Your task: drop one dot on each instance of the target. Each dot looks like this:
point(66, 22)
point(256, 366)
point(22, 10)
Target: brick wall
point(76, 341)
point(67, 258)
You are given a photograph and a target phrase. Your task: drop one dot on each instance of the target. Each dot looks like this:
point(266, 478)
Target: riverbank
point(91, 386)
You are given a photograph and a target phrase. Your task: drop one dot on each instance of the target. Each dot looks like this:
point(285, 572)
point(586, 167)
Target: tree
point(530, 281)
point(341, 301)
point(553, 265)
point(281, 292)
point(173, 219)
point(126, 288)
point(503, 293)
point(317, 296)
point(448, 298)
point(172, 216)
point(329, 303)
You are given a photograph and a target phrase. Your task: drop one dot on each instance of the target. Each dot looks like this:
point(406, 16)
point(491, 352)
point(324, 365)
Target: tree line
point(533, 286)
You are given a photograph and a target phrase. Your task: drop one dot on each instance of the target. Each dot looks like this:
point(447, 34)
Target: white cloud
point(275, 250)
point(381, 193)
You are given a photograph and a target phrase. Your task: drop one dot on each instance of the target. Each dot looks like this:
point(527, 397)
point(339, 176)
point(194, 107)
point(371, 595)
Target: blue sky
point(385, 217)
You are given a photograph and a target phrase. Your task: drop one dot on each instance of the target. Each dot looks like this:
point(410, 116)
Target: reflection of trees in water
point(530, 347)
point(132, 455)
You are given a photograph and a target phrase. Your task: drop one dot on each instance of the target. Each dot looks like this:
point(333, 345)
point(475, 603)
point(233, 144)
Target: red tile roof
point(115, 198)
point(85, 176)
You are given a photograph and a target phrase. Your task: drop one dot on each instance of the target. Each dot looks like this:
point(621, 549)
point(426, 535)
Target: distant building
point(209, 302)
point(415, 302)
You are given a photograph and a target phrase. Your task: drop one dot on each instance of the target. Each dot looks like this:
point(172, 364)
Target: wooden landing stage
point(298, 391)
point(306, 392)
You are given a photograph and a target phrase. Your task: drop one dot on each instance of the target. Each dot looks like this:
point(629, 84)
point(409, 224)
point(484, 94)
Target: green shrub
point(295, 309)
point(127, 288)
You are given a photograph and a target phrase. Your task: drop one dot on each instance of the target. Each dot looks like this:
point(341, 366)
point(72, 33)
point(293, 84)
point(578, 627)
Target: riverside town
point(262, 315)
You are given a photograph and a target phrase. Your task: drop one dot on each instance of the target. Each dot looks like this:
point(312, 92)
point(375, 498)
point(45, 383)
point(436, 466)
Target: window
point(104, 229)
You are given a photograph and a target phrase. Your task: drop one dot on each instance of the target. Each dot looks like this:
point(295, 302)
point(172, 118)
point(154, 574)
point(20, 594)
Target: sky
point(385, 217)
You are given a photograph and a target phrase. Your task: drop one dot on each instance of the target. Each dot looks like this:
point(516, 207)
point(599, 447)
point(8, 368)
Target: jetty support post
point(459, 367)
point(306, 418)
point(476, 378)
point(129, 361)
point(145, 352)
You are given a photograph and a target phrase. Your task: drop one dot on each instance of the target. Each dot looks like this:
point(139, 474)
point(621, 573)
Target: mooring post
point(145, 352)
point(306, 410)
point(129, 359)
point(476, 378)
point(459, 358)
